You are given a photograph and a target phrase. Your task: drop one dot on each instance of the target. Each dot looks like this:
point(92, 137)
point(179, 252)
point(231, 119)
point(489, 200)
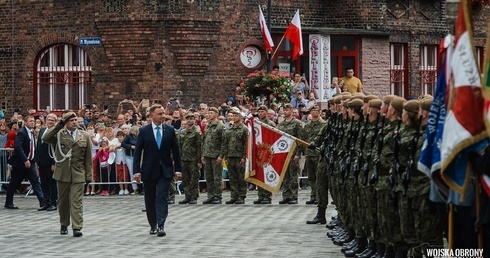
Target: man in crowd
point(352, 83)
point(46, 165)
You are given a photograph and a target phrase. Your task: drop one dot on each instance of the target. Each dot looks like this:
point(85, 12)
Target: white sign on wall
point(319, 47)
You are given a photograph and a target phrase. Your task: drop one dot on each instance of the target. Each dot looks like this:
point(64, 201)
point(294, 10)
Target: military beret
point(426, 103)
point(426, 96)
point(262, 107)
point(234, 110)
point(338, 100)
point(412, 106)
point(387, 99)
point(215, 110)
point(345, 95)
point(314, 107)
point(345, 104)
point(397, 103)
point(356, 103)
point(68, 115)
point(288, 106)
point(357, 95)
point(375, 103)
point(190, 115)
point(369, 98)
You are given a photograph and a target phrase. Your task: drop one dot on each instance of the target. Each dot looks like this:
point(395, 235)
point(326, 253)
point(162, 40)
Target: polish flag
point(293, 33)
point(266, 36)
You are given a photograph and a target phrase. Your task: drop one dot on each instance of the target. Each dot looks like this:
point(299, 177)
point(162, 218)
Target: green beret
point(337, 100)
point(356, 103)
point(345, 104)
point(369, 98)
point(357, 95)
point(288, 106)
point(215, 110)
point(397, 103)
point(412, 106)
point(375, 103)
point(387, 99)
point(345, 96)
point(262, 107)
point(426, 103)
point(190, 115)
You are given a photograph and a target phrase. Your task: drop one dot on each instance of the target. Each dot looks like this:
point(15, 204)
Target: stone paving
point(115, 226)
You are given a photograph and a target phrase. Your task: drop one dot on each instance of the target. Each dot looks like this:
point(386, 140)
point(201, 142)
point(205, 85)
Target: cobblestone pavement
point(115, 226)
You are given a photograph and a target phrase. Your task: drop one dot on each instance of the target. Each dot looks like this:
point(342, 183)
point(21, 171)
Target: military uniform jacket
point(214, 135)
point(190, 144)
point(419, 182)
point(236, 141)
point(78, 167)
point(310, 132)
point(293, 128)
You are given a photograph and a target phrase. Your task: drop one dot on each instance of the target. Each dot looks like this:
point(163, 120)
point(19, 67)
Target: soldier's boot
point(319, 218)
point(349, 245)
point(359, 248)
point(311, 201)
point(332, 224)
point(369, 251)
point(258, 201)
point(381, 248)
point(390, 252)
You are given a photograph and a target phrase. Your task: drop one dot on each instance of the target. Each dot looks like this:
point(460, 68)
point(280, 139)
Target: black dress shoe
point(153, 230)
point(64, 230)
point(258, 201)
point(52, 208)
point(185, 201)
point(240, 201)
point(216, 201)
point(11, 207)
point(161, 231)
point(192, 201)
point(293, 201)
point(208, 201)
point(44, 207)
point(311, 201)
point(266, 201)
point(317, 220)
point(232, 201)
point(285, 201)
point(77, 233)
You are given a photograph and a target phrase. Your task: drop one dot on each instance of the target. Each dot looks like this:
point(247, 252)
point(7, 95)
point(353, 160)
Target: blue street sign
point(95, 41)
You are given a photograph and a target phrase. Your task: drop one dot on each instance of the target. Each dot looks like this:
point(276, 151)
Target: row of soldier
point(368, 153)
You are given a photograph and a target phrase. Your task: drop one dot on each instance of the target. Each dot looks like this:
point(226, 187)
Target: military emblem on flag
point(268, 154)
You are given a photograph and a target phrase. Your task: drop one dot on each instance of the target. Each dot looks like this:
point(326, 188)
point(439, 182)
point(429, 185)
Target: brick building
point(189, 49)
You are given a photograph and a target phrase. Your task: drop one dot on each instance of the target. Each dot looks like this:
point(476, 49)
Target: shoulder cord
point(58, 146)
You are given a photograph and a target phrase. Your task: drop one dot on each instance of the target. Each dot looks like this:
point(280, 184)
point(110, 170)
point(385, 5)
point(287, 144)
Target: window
point(399, 69)
point(428, 68)
point(62, 78)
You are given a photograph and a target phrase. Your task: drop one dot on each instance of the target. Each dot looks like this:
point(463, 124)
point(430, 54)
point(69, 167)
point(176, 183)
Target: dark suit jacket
point(153, 157)
point(42, 157)
point(21, 148)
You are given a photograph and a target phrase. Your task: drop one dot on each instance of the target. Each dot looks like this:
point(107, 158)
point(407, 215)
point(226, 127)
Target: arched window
point(62, 78)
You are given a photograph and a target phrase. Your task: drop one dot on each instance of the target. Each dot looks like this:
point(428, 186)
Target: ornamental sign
point(94, 41)
point(252, 55)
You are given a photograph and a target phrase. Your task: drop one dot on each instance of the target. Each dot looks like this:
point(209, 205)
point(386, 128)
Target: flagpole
point(269, 13)
point(277, 48)
point(281, 132)
point(450, 231)
point(478, 207)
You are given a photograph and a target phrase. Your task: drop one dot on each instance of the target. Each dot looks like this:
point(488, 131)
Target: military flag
point(486, 94)
point(294, 34)
point(268, 154)
point(464, 129)
point(266, 36)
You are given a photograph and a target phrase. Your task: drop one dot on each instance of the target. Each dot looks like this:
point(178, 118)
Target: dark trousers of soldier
point(311, 163)
point(388, 219)
point(70, 204)
point(236, 173)
point(407, 221)
point(322, 184)
point(368, 217)
point(190, 179)
point(358, 211)
point(264, 194)
point(214, 178)
point(349, 203)
point(290, 181)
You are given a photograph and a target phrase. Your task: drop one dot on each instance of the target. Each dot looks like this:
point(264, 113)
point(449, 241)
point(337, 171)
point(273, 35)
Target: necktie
point(159, 136)
point(31, 148)
point(72, 135)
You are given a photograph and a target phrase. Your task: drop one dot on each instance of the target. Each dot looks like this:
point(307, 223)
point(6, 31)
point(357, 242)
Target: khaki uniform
point(71, 173)
point(310, 132)
point(213, 148)
point(190, 143)
point(290, 180)
point(235, 146)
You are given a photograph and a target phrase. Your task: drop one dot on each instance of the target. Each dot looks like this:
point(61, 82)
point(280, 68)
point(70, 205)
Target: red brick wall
point(375, 64)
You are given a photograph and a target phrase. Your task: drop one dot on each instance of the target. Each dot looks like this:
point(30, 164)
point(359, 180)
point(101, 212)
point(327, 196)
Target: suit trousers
point(16, 178)
point(156, 196)
point(70, 204)
point(48, 184)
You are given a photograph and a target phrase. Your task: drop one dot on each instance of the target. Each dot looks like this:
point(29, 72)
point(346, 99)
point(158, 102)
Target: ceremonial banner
point(430, 157)
point(486, 94)
point(294, 34)
point(268, 154)
point(266, 36)
point(464, 129)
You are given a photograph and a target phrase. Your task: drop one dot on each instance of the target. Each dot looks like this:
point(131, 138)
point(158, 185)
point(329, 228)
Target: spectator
point(300, 84)
point(298, 100)
point(102, 157)
point(311, 101)
point(352, 83)
point(129, 143)
point(121, 168)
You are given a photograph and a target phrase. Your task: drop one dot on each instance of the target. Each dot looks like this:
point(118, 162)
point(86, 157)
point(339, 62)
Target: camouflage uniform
point(213, 148)
point(190, 152)
point(290, 180)
point(311, 131)
point(262, 193)
point(235, 146)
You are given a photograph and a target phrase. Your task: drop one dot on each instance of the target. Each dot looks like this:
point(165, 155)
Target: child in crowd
point(121, 168)
point(103, 156)
point(129, 144)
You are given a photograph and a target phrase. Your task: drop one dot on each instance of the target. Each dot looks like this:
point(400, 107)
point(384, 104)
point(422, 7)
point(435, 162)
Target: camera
point(173, 101)
point(19, 124)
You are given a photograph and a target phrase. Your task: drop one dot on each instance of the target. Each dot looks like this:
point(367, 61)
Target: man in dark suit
point(23, 165)
point(45, 162)
point(161, 154)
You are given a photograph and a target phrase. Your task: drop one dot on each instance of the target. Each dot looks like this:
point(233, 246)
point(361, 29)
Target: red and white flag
point(293, 33)
point(266, 36)
point(268, 155)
